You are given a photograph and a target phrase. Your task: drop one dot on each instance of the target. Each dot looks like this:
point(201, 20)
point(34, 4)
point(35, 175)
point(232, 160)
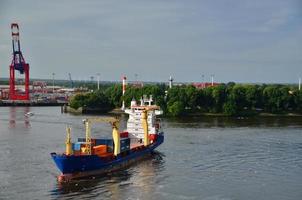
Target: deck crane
point(115, 132)
point(145, 122)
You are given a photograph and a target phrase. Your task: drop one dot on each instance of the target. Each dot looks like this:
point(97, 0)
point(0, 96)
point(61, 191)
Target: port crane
point(71, 81)
point(18, 63)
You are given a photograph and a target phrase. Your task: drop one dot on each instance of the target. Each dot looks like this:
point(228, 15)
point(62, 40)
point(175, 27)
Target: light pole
point(170, 82)
point(53, 83)
point(135, 75)
point(98, 74)
point(299, 83)
point(202, 85)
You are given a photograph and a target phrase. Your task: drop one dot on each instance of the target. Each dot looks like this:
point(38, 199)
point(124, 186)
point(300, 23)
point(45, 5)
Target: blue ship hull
point(85, 165)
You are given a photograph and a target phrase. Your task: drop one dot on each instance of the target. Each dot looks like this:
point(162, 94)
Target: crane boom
point(115, 133)
point(70, 79)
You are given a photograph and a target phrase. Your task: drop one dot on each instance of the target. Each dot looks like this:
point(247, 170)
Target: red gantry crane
point(19, 64)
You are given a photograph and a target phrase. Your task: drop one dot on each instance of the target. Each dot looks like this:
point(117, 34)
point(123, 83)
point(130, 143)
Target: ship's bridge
point(134, 124)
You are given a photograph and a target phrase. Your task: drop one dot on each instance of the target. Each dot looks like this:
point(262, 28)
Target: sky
point(258, 41)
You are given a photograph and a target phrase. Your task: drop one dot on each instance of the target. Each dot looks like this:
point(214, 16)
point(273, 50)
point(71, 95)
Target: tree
point(219, 96)
point(252, 96)
point(272, 97)
point(95, 100)
point(176, 108)
point(191, 94)
point(298, 101)
point(230, 108)
point(77, 101)
point(206, 99)
point(237, 96)
point(114, 93)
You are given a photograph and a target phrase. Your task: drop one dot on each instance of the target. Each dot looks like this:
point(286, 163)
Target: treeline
point(93, 100)
point(229, 99)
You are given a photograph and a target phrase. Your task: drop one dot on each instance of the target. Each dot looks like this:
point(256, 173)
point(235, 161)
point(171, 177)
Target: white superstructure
point(134, 123)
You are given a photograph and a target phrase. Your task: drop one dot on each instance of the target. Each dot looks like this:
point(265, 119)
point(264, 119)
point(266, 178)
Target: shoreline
point(264, 114)
point(30, 104)
point(119, 111)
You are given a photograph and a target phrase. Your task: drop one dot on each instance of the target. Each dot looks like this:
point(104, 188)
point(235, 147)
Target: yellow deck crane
point(145, 122)
point(145, 126)
point(68, 142)
point(115, 132)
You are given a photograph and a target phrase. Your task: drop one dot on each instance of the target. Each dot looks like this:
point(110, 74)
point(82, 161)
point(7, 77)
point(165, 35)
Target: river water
point(202, 158)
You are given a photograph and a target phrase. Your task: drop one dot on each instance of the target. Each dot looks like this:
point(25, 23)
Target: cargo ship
point(92, 156)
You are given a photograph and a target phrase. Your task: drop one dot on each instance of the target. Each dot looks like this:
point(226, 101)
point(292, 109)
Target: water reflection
point(18, 114)
point(138, 177)
point(12, 117)
point(222, 122)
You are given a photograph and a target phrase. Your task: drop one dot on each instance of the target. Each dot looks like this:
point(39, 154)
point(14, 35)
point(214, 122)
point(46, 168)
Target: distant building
point(204, 85)
point(137, 84)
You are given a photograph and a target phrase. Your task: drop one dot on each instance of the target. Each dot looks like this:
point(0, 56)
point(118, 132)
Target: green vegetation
point(94, 100)
point(227, 99)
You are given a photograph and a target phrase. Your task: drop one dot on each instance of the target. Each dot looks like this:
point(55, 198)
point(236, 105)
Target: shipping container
point(124, 134)
point(100, 149)
point(81, 139)
point(93, 141)
point(78, 145)
point(108, 142)
point(124, 144)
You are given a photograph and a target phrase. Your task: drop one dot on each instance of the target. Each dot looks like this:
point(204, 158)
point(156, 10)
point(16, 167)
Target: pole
point(53, 83)
point(212, 77)
point(124, 90)
point(98, 74)
point(170, 82)
point(202, 85)
point(299, 83)
point(135, 78)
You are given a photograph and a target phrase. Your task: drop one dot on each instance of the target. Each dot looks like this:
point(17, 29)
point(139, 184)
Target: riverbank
point(29, 103)
point(262, 114)
point(118, 111)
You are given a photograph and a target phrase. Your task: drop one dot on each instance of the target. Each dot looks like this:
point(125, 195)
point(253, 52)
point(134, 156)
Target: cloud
point(155, 38)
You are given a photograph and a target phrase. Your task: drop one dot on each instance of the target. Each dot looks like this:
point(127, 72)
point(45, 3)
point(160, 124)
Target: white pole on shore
point(299, 83)
point(98, 74)
point(53, 83)
point(124, 90)
point(212, 77)
point(170, 82)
